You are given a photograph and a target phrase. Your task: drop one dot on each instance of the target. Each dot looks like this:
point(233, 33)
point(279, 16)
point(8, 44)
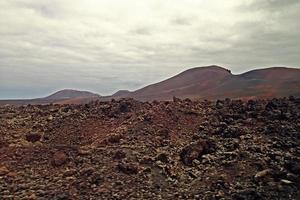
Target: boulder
point(119, 154)
point(33, 137)
point(59, 158)
point(128, 168)
point(194, 151)
point(3, 171)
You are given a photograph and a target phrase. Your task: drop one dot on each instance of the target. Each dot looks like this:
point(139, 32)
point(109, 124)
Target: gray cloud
point(141, 31)
point(181, 21)
point(271, 5)
point(107, 45)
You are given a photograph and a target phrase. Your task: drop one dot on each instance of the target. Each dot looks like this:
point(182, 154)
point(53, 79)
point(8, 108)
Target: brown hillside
point(213, 82)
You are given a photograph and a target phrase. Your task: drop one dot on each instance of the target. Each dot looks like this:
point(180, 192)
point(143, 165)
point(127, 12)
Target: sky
point(108, 45)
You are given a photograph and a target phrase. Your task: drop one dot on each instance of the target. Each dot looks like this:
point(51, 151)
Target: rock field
point(126, 149)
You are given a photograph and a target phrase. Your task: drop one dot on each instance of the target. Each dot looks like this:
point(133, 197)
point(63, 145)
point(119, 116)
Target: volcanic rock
point(33, 137)
point(59, 158)
point(263, 173)
point(119, 154)
point(114, 138)
point(240, 151)
point(128, 168)
point(3, 170)
point(194, 151)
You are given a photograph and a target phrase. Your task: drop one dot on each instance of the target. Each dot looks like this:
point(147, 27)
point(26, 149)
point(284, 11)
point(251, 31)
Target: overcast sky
point(107, 45)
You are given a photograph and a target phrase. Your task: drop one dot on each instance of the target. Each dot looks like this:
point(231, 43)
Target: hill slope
point(214, 82)
point(210, 82)
point(69, 94)
point(66, 96)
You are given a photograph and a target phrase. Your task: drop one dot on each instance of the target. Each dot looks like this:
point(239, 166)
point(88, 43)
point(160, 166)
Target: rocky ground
point(160, 150)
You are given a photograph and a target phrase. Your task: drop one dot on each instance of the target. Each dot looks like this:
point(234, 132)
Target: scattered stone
point(125, 149)
point(114, 138)
point(97, 178)
point(3, 171)
point(124, 106)
point(163, 157)
point(287, 182)
point(146, 160)
point(32, 197)
point(263, 173)
point(33, 137)
point(176, 100)
point(194, 151)
point(59, 158)
point(164, 133)
point(69, 172)
point(119, 154)
point(128, 168)
point(219, 104)
point(87, 171)
point(83, 152)
point(50, 118)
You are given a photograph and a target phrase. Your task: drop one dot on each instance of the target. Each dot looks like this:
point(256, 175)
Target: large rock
point(3, 171)
point(33, 137)
point(263, 173)
point(59, 158)
point(114, 138)
point(194, 151)
point(128, 168)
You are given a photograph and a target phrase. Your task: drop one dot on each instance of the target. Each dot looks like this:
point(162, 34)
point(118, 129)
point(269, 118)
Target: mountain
point(70, 94)
point(121, 93)
point(66, 96)
point(210, 82)
point(213, 82)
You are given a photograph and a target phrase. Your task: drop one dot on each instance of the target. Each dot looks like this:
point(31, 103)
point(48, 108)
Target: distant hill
point(213, 82)
point(121, 93)
point(66, 96)
point(210, 82)
point(69, 94)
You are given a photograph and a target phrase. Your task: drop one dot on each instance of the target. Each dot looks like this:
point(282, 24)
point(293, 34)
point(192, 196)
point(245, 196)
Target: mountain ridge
point(214, 82)
point(208, 82)
point(71, 93)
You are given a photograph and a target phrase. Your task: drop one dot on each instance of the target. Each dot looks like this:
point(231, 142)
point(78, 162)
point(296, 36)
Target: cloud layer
point(107, 45)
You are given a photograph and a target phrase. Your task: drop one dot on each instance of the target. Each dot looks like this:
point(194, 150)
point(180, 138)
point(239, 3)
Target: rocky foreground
point(160, 150)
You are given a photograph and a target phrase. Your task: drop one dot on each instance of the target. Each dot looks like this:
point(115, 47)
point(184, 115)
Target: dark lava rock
point(114, 138)
point(247, 194)
point(146, 160)
point(96, 178)
point(164, 133)
point(119, 154)
point(273, 104)
point(87, 171)
point(194, 151)
point(231, 132)
point(59, 158)
point(3, 170)
point(33, 137)
point(125, 106)
point(163, 157)
point(176, 100)
point(128, 168)
point(219, 104)
point(125, 149)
